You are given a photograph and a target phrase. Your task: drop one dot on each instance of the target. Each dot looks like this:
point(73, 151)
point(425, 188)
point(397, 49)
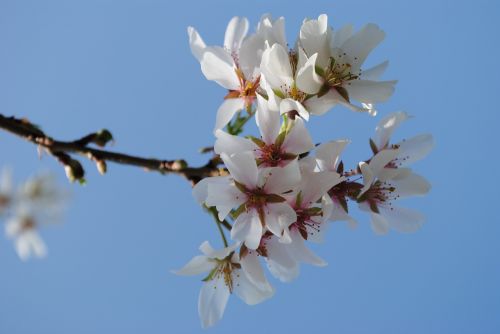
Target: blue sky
point(77, 66)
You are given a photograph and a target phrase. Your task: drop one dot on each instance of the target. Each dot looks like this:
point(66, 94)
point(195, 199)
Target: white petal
point(276, 67)
point(340, 36)
point(328, 154)
point(381, 159)
point(412, 185)
point(196, 43)
point(250, 264)
point(220, 254)
point(226, 112)
point(212, 301)
point(230, 144)
point(320, 105)
point(415, 148)
point(403, 219)
point(6, 181)
point(200, 190)
point(370, 91)
point(248, 229)
point(225, 197)
point(250, 55)
point(307, 79)
point(242, 167)
point(38, 245)
point(250, 293)
point(339, 214)
point(218, 65)
point(279, 216)
point(197, 265)
point(386, 127)
point(272, 32)
point(375, 72)
point(315, 38)
point(267, 120)
point(287, 105)
point(359, 45)
point(236, 30)
point(368, 177)
point(315, 185)
point(23, 247)
point(279, 262)
point(298, 140)
point(300, 252)
point(379, 223)
point(282, 179)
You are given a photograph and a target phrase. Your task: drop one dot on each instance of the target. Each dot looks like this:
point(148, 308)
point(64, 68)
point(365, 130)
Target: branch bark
point(28, 131)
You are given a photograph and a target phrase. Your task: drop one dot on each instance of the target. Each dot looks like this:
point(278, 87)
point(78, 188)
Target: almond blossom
point(37, 202)
point(279, 144)
point(273, 195)
point(257, 194)
point(227, 273)
point(337, 59)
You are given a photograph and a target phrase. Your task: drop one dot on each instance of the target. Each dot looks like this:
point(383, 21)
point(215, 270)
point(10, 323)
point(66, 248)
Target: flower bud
point(102, 167)
point(74, 171)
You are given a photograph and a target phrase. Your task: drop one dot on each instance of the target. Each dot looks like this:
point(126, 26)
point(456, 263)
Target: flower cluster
point(280, 189)
point(34, 203)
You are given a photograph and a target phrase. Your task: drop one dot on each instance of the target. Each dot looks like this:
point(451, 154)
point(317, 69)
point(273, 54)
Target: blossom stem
point(215, 215)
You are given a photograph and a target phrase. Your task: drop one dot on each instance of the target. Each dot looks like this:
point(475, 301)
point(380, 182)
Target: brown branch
point(61, 150)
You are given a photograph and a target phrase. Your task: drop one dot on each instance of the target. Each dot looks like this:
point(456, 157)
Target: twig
point(23, 128)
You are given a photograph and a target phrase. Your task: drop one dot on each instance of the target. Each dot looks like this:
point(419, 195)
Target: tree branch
point(25, 129)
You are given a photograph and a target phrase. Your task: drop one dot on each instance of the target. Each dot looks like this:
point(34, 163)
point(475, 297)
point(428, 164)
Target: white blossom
point(227, 273)
point(279, 143)
point(338, 57)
